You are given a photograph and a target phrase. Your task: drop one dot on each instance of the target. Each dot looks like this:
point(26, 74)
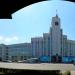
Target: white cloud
point(1, 38)
point(15, 38)
point(8, 40)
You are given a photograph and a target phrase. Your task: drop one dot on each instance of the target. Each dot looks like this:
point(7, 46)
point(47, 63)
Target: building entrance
point(56, 59)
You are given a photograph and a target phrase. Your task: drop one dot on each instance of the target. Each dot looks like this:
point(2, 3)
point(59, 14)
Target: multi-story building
point(15, 52)
point(53, 43)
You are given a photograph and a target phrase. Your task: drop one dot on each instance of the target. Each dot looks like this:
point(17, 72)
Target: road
point(41, 66)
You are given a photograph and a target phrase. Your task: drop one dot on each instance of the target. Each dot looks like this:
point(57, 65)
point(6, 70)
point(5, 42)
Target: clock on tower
point(56, 23)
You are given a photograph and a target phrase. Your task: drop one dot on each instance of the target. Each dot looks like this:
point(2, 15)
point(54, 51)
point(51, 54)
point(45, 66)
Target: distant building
point(15, 52)
point(54, 43)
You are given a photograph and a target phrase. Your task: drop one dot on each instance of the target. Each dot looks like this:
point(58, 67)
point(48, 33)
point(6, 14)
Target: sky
point(35, 19)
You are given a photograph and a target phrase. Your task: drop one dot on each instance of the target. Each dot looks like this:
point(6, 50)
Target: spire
point(56, 13)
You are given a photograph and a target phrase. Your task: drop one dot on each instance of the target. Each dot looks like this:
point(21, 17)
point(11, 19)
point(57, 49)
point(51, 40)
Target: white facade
point(56, 36)
point(54, 42)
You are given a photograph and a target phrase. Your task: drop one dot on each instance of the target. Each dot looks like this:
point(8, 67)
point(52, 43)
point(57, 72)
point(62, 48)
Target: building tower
point(56, 36)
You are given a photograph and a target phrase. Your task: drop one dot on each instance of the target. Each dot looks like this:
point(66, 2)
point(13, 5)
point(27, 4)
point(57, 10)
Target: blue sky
point(35, 19)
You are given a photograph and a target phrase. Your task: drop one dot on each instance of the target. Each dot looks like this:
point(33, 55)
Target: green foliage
point(66, 73)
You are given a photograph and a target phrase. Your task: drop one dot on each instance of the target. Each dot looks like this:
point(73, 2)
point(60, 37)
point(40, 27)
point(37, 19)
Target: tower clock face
point(56, 23)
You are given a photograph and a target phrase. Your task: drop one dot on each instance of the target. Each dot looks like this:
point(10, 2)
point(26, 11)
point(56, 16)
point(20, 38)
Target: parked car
point(33, 60)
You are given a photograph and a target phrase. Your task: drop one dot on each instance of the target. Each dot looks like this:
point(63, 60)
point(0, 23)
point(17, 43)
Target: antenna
point(56, 13)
